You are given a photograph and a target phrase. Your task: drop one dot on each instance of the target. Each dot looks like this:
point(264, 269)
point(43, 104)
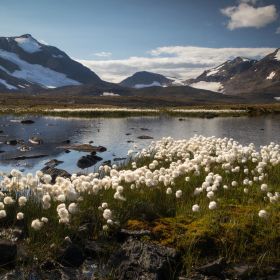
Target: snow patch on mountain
point(7, 85)
point(176, 81)
point(37, 73)
point(29, 44)
point(59, 56)
point(212, 72)
point(109, 94)
point(245, 59)
point(277, 56)
point(213, 86)
point(154, 84)
point(272, 74)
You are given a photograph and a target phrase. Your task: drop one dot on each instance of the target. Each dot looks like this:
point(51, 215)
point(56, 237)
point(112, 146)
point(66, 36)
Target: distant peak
point(25, 36)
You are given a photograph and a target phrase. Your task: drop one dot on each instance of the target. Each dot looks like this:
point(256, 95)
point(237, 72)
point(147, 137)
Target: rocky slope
point(24, 63)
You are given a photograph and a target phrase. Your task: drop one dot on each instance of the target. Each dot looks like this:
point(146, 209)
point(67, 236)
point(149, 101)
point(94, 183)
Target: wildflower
point(36, 224)
point(246, 190)
point(8, 200)
point(100, 208)
point(195, 208)
point(105, 227)
point(20, 216)
point(187, 179)
point(22, 200)
point(212, 205)
point(110, 222)
point(120, 189)
point(179, 194)
point(210, 195)
point(67, 239)
point(107, 214)
point(263, 214)
point(3, 214)
point(234, 183)
point(169, 191)
point(264, 187)
point(2, 206)
point(61, 198)
point(45, 220)
point(104, 205)
point(73, 209)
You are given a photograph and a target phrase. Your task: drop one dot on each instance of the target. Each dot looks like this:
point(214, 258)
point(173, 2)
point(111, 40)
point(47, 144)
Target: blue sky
point(175, 38)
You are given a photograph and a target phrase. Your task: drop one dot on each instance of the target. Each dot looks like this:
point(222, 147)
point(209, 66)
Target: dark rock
point(92, 153)
point(128, 134)
point(80, 173)
point(8, 252)
point(27, 121)
point(145, 137)
point(36, 140)
point(90, 142)
point(214, 268)
point(54, 162)
point(209, 116)
point(17, 233)
point(181, 119)
point(51, 124)
point(93, 250)
point(123, 233)
point(55, 172)
point(21, 142)
point(107, 162)
point(1, 131)
point(65, 141)
point(241, 270)
point(11, 142)
point(97, 158)
point(129, 141)
point(72, 256)
point(101, 149)
point(48, 264)
point(24, 148)
point(2, 151)
point(85, 230)
point(22, 253)
point(142, 260)
point(144, 128)
point(26, 157)
point(67, 273)
point(67, 151)
point(86, 161)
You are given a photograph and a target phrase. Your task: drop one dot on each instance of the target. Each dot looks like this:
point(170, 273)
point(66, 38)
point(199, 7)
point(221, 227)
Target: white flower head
point(263, 214)
point(20, 216)
point(195, 208)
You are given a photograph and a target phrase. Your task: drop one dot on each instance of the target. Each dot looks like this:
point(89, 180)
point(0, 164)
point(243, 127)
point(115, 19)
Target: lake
point(114, 134)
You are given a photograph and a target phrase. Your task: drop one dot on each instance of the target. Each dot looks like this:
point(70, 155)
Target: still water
point(112, 133)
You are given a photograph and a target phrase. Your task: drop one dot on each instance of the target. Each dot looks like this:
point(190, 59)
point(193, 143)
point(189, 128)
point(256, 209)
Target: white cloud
point(177, 61)
point(43, 42)
point(245, 15)
point(278, 30)
point(103, 54)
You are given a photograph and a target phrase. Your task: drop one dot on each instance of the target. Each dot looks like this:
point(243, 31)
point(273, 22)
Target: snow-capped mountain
point(148, 79)
point(240, 75)
point(24, 62)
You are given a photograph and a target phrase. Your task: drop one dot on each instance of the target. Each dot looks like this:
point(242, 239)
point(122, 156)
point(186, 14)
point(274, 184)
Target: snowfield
point(154, 84)
point(30, 45)
point(7, 85)
point(109, 94)
point(213, 86)
point(277, 56)
point(36, 73)
point(272, 74)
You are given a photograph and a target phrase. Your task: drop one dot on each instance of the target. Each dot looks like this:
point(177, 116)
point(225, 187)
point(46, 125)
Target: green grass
point(232, 230)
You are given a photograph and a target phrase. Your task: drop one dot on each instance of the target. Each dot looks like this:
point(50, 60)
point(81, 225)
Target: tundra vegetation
point(205, 197)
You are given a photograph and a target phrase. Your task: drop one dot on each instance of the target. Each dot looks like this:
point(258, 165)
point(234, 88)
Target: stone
point(27, 121)
point(8, 252)
point(145, 137)
point(123, 233)
point(21, 141)
point(144, 128)
point(85, 230)
point(22, 253)
point(92, 153)
point(67, 151)
point(36, 140)
point(54, 162)
point(214, 268)
point(72, 256)
point(142, 260)
point(68, 273)
point(107, 162)
point(93, 250)
point(11, 142)
point(65, 141)
point(55, 172)
point(25, 148)
point(26, 157)
point(86, 161)
point(241, 270)
point(117, 159)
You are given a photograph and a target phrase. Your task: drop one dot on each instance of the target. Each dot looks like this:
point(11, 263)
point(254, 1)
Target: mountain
point(148, 79)
point(241, 75)
point(24, 63)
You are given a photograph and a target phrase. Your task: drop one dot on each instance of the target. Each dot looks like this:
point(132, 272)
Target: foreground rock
point(72, 256)
point(145, 137)
point(27, 121)
point(25, 148)
point(123, 233)
point(8, 252)
point(11, 142)
point(55, 172)
point(141, 260)
point(93, 250)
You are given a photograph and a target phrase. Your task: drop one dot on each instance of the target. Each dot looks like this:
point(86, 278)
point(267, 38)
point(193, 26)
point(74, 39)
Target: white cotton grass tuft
point(105, 227)
point(36, 224)
point(20, 216)
point(3, 214)
point(195, 208)
point(169, 191)
point(44, 220)
point(104, 205)
point(179, 193)
point(22, 200)
point(246, 190)
point(212, 205)
point(264, 187)
point(67, 239)
point(73, 208)
point(107, 214)
point(263, 214)
point(110, 222)
point(2, 206)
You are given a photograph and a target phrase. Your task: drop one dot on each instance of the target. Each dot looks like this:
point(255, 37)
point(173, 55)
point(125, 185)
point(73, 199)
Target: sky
point(178, 38)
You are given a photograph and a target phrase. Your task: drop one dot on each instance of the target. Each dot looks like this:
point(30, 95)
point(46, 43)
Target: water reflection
point(111, 133)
